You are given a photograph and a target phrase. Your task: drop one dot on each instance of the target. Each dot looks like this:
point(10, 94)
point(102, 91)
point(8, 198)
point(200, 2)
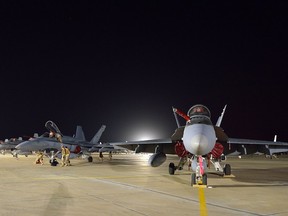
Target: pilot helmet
point(51, 134)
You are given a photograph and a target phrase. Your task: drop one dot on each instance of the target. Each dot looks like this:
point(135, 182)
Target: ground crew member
point(110, 155)
point(101, 156)
point(63, 158)
point(58, 137)
point(67, 156)
point(39, 158)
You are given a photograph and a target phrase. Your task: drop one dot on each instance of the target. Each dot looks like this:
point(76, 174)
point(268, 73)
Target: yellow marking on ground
point(202, 202)
point(200, 186)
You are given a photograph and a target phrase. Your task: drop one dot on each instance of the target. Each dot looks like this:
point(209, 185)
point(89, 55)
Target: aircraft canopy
point(199, 109)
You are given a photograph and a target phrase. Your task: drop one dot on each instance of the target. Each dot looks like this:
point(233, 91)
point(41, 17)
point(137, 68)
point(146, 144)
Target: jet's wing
point(144, 142)
point(147, 145)
point(255, 142)
point(106, 147)
point(248, 146)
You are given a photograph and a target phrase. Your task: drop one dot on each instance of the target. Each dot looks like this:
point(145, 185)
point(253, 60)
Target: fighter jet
point(9, 145)
point(206, 144)
point(76, 144)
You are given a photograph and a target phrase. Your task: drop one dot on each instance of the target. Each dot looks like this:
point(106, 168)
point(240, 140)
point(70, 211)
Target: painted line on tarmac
point(202, 202)
point(187, 199)
point(109, 180)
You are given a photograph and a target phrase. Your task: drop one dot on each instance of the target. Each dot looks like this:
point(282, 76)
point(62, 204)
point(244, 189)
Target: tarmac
point(126, 185)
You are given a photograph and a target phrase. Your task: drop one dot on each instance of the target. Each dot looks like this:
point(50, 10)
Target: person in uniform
point(110, 155)
point(63, 153)
point(39, 158)
point(67, 157)
point(101, 156)
point(58, 137)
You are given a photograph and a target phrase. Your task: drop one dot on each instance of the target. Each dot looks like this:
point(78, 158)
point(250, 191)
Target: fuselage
point(48, 143)
point(39, 144)
point(10, 144)
point(199, 139)
point(199, 136)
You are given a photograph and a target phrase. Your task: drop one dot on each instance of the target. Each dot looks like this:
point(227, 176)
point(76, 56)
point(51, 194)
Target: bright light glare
point(144, 135)
point(144, 131)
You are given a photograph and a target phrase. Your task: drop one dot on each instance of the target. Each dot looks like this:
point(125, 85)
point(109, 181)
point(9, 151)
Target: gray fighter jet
point(77, 144)
point(204, 143)
point(9, 145)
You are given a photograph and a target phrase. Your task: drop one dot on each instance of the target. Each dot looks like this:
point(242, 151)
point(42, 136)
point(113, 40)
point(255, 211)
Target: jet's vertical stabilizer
point(221, 117)
point(80, 133)
point(97, 136)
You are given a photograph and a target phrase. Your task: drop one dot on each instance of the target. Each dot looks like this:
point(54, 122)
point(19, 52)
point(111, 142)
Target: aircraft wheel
point(171, 168)
point(90, 159)
point(204, 179)
point(193, 179)
point(227, 169)
point(54, 162)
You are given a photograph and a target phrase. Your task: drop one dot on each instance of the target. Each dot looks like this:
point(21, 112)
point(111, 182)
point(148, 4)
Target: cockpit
point(199, 109)
point(199, 114)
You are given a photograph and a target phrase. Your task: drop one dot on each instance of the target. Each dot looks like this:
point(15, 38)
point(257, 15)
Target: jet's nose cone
point(199, 139)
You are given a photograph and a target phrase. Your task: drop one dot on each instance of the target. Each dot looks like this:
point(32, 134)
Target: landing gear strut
point(198, 180)
point(198, 165)
point(226, 170)
point(199, 177)
point(181, 163)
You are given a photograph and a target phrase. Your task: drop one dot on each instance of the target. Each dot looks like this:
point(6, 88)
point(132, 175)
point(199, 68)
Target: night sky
point(126, 63)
